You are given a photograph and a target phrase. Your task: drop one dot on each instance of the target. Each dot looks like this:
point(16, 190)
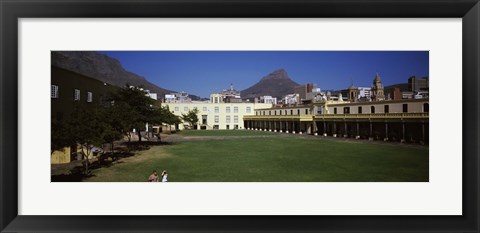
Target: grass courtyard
point(271, 157)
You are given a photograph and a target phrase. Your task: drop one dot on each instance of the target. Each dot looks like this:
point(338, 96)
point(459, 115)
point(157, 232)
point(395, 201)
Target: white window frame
point(216, 118)
point(217, 109)
point(235, 109)
point(177, 108)
point(249, 109)
point(89, 97)
point(227, 109)
point(185, 109)
point(54, 92)
point(235, 119)
point(76, 94)
point(228, 119)
point(205, 109)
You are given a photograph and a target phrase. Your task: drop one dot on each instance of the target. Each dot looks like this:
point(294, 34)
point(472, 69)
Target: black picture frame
point(11, 11)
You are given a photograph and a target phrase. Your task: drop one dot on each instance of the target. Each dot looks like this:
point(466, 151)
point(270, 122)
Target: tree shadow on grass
point(141, 146)
point(77, 173)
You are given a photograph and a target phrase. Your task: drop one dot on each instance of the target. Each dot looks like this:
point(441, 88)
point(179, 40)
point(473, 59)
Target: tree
point(116, 124)
point(122, 119)
point(85, 128)
point(59, 136)
point(170, 118)
point(141, 107)
point(163, 115)
point(191, 117)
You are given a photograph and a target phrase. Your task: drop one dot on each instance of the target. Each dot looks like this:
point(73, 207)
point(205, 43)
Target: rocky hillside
point(276, 84)
point(103, 68)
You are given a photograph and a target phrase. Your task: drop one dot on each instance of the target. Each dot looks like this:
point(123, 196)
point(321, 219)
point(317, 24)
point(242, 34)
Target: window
point(372, 109)
point(269, 112)
point(386, 107)
point(228, 110)
point(298, 112)
point(334, 110)
point(306, 111)
point(291, 112)
point(76, 95)
point(249, 109)
point(346, 110)
point(205, 109)
point(176, 108)
point(216, 118)
point(235, 119)
point(280, 112)
point(359, 110)
point(185, 109)
point(89, 97)
point(216, 110)
point(54, 92)
point(286, 113)
point(228, 119)
point(405, 107)
point(235, 109)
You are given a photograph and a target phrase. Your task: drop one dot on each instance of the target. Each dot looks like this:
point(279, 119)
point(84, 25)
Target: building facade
point(418, 84)
point(216, 115)
point(68, 90)
point(395, 120)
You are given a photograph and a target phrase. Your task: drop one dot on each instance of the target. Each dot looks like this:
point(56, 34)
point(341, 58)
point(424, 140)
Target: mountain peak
point(276, 75)
point(101, 67)
point(276, 84)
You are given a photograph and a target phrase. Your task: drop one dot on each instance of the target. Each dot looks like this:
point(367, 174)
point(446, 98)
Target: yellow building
point(217, 115)
point(392, 120)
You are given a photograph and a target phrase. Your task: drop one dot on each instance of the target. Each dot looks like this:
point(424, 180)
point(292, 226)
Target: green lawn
point(223, 133)
point(272, 158)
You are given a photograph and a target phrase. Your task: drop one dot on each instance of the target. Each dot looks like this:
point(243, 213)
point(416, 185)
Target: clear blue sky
point(204, 72)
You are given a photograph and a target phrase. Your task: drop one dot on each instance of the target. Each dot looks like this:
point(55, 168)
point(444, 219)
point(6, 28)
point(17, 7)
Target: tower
point(353, 93)
point(377, 89)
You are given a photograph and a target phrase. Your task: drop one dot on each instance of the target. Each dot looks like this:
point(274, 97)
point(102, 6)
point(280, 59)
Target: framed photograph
point(310, 116)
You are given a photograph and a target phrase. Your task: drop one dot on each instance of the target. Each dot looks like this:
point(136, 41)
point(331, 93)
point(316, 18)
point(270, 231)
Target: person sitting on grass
point(153, 177)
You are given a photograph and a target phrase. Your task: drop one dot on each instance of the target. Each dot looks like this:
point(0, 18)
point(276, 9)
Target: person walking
point(153, 177)
point(164, 176)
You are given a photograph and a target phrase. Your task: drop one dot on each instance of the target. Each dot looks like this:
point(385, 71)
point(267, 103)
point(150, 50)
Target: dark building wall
point(67, 82)
point(395, 94)
point(418, 84)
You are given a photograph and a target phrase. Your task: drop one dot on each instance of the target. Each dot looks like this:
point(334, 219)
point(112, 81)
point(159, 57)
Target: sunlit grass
point(223, 133)
point(272, 159)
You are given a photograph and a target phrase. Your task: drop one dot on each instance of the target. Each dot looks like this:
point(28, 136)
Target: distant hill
point(277, 84)
point(105, 69)
point(402, 86)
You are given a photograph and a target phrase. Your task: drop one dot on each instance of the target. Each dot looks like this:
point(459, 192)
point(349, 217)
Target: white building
point(181, 97)
point(268, 99)
point(364, 92)
point(213, 115)
point(226, 96)
point(291, 99)
point(151, 95)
